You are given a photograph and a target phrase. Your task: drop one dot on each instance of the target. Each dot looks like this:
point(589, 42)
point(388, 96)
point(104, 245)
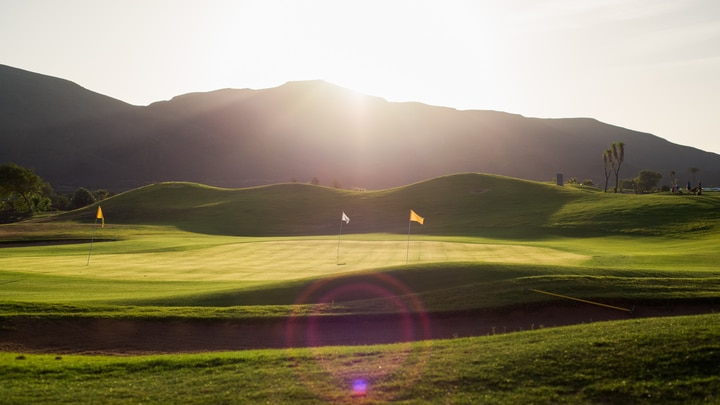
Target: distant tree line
point(647, 181)
point(23, 193)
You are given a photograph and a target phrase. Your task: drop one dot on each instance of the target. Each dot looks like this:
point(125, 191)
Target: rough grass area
point(664, 360)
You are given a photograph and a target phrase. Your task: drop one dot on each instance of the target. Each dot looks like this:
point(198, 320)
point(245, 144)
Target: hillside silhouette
point(299, 131)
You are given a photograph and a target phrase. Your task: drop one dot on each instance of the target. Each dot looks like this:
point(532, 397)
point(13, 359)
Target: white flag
point(345, 218)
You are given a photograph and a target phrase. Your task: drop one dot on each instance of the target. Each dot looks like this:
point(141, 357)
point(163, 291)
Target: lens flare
point(402, 320)
point(359, 388)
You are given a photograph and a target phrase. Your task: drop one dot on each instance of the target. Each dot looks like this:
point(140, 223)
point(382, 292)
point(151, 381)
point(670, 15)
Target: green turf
point(191, 269)
point(662, 360)
point(146, 256)
point(465, 204)
point(185, 250)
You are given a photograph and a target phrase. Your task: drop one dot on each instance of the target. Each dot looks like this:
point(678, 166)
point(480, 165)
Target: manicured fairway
point(171, 267)
point(233, 259)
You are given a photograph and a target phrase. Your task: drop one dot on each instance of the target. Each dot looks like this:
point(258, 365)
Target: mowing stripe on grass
point(272, 260)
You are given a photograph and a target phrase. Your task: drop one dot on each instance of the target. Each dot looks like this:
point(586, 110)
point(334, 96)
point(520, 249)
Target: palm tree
point(618, 154)
point(607, 161)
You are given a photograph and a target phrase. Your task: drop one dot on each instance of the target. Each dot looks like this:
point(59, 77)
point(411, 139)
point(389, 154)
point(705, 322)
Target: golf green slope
point(193, 245)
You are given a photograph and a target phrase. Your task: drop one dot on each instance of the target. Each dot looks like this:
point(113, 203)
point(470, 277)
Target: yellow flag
point(415, 217)
point(100, 216)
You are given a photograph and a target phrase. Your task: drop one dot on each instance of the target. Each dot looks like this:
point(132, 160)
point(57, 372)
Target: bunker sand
point(139, 337)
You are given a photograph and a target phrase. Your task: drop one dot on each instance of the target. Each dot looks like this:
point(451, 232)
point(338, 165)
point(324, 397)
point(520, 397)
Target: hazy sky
point(648, 65)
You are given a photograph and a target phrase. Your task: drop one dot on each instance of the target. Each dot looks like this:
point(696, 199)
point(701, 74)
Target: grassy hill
point(464, 204)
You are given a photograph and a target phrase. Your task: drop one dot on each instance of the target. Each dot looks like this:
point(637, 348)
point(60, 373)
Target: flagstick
point(92, 238)
point(338, 248)
point(407, 251)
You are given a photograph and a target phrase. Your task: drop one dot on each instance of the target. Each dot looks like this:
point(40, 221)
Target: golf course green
point(196, 294)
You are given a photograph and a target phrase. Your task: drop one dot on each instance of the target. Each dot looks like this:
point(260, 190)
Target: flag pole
point(407, 251)
point(98, 215)
point(337, 260)
point(346, 219)
point(417, 218)
point(92, 238)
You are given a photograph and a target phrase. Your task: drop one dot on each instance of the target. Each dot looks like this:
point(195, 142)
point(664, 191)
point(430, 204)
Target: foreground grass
point(663, 360)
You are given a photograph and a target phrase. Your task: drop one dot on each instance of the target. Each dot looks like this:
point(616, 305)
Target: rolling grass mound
point(462, 204)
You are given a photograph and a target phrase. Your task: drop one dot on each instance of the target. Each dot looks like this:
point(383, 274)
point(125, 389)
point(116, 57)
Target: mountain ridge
point(300, 131)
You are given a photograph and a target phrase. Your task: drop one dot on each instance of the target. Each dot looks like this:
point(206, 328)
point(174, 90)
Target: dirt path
point(128, 337)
